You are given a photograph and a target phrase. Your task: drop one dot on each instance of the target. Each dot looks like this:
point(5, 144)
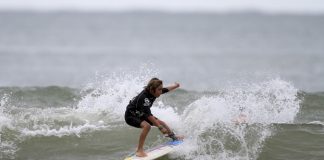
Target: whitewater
point(97, 110)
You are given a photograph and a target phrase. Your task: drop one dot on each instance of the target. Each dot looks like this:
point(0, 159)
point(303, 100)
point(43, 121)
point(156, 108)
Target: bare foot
point(141, 154)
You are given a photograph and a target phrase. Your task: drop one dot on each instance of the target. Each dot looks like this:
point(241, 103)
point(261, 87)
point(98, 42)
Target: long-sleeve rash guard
point(141, 104)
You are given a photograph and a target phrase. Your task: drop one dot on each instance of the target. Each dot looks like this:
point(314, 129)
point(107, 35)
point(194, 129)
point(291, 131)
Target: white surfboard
point(158, 151)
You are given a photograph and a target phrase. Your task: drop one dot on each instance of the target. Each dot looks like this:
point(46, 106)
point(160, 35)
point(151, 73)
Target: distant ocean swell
point(34, 117)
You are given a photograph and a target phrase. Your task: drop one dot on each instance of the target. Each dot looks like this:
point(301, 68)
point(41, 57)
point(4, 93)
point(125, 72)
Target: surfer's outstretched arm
point(174, 86)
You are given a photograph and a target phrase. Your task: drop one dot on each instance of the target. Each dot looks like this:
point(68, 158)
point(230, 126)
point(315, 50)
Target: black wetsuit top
point(140, 105)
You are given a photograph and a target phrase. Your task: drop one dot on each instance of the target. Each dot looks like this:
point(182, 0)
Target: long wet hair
point(153, 84)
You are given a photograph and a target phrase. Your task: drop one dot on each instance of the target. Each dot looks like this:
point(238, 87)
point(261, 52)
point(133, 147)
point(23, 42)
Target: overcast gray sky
point(273, 6)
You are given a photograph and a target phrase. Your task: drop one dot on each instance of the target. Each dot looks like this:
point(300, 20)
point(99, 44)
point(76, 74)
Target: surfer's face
point(158, 91)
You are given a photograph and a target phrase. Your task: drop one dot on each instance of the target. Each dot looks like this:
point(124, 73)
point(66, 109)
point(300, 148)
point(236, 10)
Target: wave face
point(67, 123)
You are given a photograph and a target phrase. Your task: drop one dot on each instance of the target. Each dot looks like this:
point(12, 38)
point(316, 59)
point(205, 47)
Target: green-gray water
point(85, 67)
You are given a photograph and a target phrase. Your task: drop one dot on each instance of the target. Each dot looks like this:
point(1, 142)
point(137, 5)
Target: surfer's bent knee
point(145, 125)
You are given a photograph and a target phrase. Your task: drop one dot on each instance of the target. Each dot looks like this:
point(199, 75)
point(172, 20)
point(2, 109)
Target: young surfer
point(138, 113)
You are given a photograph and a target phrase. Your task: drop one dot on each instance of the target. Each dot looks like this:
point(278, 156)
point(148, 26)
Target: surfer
point(138, 113)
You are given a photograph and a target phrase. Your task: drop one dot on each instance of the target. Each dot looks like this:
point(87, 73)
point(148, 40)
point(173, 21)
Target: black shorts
point(135, 121)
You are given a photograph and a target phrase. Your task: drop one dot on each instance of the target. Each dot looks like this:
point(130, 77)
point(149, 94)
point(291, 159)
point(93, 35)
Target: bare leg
point(165, 126)
point(169, 130)
point(145, 130)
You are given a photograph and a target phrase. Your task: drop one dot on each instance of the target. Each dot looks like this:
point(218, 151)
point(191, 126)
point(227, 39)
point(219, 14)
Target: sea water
point(67, 77)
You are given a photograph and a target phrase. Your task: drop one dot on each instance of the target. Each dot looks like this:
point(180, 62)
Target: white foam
point(168, 114)
point(7, 148)
point(112, 93)
point(55, 122)
point(5, 119)
point(100, 109)
point(45, 130)
point(273, 101)
point(211, 133)
point(206, 123)
point(316, 122)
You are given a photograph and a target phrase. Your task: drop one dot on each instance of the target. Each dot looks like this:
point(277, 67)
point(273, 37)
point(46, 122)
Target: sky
point(270, 6)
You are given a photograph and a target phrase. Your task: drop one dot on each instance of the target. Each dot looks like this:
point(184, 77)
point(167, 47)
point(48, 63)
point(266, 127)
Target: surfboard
point(157, 151)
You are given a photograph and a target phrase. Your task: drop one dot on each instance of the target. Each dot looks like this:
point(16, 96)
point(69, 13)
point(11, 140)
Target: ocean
point(67, 77)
